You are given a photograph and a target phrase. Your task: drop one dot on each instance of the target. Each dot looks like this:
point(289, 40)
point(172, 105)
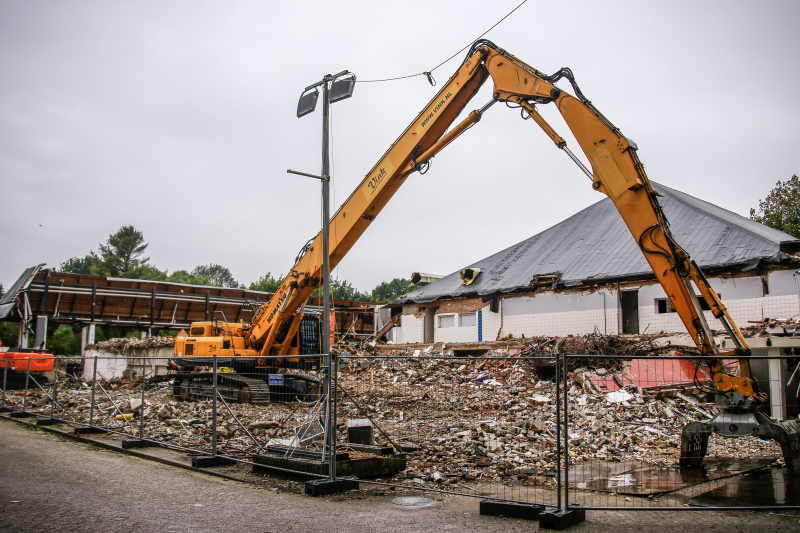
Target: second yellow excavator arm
point(615, 171)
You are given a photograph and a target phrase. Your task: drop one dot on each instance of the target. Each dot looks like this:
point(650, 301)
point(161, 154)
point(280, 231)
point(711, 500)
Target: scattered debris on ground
point(458, 419)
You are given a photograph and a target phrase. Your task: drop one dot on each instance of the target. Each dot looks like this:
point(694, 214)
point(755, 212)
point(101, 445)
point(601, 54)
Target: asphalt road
point(51, 484)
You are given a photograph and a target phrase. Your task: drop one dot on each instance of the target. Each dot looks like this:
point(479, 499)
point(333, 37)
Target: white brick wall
point(491, 323)
point(742, 310)
point(561, 323)
point(456, 334)
point(534, 316)
point(411, 329)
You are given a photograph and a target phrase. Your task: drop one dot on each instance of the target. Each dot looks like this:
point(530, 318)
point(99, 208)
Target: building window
point(663, 305)
point(466, 321)
point(447, 321)
point(703, 305)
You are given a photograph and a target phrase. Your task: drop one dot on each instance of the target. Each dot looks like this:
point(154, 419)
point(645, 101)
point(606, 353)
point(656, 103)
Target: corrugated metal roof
point(595, 243)
point(9, 299)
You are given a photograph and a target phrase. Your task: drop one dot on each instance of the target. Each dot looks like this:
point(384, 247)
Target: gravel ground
point(52, 484)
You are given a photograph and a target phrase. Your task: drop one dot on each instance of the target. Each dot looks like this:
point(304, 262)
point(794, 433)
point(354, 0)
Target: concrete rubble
point(125, 345)
point(496, 419)
point(458, 419)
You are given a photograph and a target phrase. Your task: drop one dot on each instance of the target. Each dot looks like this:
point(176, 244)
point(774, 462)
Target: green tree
point(79, 265)
point(387, 292)
point(343, 290)
point(121, 255)
point(65, 340)
point(8, 330)
point(781, 208)
point(151, 273)
point(219, 274)
point(266, 283)
point(182, 276)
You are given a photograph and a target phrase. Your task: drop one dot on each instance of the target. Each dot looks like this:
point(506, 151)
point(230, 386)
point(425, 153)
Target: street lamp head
point(307, 103)
point(342, 89)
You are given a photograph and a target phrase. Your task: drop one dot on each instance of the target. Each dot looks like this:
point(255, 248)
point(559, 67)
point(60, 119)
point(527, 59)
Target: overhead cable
point(429, 72)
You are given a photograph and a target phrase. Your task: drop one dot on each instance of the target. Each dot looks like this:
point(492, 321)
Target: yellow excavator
point(615, 171)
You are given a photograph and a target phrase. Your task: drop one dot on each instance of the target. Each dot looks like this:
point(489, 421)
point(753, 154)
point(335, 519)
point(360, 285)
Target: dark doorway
point(430, 320)
point(629, 302)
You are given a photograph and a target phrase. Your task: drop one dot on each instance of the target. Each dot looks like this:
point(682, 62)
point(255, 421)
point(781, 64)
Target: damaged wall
point(576, 313)
point(753, 298)
point(121, 358)
point(411, 329)
point(461, 327)
point(745, 299)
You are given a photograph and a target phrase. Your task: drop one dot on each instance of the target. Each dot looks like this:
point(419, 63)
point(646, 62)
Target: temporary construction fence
point(545, 433)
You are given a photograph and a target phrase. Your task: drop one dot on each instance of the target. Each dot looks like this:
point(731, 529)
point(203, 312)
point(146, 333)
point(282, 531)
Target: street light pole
point(332, 91)
point(326, 284)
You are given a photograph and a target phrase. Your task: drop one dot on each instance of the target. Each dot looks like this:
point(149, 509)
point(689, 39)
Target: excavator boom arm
point(615, 168)
point(368, 199)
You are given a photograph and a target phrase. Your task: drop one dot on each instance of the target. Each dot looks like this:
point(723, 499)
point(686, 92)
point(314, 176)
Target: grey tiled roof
point(595, 243)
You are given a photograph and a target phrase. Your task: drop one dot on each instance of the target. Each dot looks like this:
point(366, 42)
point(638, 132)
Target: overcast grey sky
point(179, 118)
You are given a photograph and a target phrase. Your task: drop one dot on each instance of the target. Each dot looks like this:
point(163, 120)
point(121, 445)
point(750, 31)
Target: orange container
point(4, 356)
point(39, 362)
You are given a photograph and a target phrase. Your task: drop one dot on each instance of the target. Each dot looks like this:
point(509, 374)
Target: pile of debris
point(123, 346)
point(478, 418)
point(458, 419)
point(118, 407)
point(773, 327)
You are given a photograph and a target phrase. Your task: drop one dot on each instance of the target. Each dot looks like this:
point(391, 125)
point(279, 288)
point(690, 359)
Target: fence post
point(214, 411)
point(94, 385)
point(54, 399)
point(53, 396)
point(5, 409)
point(564, 516)
point(141, 413)
point(332, 416)
point(559, 481)
point(566, 433)
point(27, 381)
point(91, 428)
point(214, 459)
point(332, 484)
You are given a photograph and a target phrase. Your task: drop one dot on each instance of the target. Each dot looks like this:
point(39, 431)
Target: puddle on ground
point(772, 486)
point(413, 501)
point(596, 470)
point(658, 480)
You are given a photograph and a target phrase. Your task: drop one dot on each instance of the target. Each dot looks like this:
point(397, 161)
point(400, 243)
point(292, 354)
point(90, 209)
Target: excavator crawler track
point(232, 387)
point(242, 389)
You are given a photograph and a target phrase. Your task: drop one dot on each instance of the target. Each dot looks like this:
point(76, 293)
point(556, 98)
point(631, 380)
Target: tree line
point(123, 256)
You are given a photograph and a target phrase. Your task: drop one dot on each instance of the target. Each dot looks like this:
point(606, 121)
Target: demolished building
point(587, 274)
point(43, 295)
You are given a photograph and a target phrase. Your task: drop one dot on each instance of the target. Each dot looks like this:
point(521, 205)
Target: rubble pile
point(772, 327)
point(184, 424)
point(125, 345)
point(486, 418)
point(458, 419)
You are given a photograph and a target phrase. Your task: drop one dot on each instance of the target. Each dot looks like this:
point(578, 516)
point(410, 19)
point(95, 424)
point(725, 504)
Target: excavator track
point(241, 389)
point(232, 387)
